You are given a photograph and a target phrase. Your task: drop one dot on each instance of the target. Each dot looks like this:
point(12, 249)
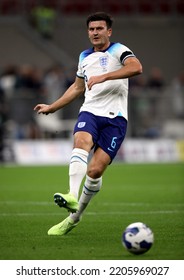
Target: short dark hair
point(100, 16)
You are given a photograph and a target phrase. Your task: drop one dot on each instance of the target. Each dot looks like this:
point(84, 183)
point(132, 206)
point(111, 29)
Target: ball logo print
point(137, 238)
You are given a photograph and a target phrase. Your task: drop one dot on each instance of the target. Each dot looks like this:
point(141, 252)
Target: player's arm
point(131, 67)
point(75, 90)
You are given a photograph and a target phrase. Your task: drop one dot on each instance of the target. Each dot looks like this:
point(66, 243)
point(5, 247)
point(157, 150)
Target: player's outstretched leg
point(62, 228)
point(67, 201)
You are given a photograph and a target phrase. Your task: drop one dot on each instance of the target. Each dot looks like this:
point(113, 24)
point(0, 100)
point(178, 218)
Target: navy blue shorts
point(107, 133)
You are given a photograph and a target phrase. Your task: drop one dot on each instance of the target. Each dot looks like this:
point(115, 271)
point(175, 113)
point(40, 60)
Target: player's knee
point(94, 172)
point(83, 141)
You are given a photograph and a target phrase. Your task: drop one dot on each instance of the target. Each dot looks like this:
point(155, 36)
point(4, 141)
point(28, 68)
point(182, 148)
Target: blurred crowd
point(151, 101)
point(155, 103)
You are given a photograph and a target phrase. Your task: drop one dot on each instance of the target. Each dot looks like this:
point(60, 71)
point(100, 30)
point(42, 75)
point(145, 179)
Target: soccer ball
point(137, 238)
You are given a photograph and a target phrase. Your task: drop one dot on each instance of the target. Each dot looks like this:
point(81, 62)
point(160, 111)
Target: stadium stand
point(137, 20)
point(79, 7)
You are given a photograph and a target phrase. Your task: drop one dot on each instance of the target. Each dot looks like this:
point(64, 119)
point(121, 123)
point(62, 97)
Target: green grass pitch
point(150, 193)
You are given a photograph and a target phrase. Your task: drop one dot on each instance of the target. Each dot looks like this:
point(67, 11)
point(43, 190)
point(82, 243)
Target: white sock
point(90, 189)
point(77, 169)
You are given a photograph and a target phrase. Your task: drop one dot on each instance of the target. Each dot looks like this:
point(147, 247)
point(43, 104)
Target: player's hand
point(43, 109)
point(95, 80)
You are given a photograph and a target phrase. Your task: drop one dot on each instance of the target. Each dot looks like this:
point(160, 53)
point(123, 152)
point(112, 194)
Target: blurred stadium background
point(40, 42)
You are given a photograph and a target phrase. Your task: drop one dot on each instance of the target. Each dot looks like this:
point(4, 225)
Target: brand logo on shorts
point(81, 124)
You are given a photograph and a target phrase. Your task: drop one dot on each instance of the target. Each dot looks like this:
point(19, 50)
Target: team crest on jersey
point(81, 124)
point(103, 62)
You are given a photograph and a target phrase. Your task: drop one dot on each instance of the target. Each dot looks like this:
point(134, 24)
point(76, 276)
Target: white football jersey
point(110, 98)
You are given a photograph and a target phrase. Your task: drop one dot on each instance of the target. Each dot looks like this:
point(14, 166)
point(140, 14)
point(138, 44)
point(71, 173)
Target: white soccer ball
point(137, 238)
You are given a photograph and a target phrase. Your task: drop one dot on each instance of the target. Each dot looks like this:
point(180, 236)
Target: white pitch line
point(95, 213)
point(133, 204)
point(41, 203)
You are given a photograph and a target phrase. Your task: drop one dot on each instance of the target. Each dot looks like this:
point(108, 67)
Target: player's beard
point(99, 44)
